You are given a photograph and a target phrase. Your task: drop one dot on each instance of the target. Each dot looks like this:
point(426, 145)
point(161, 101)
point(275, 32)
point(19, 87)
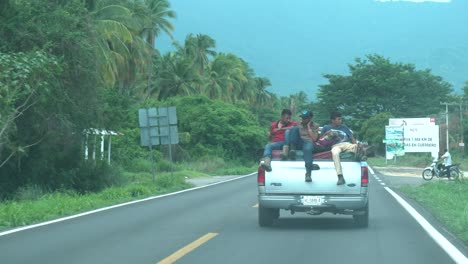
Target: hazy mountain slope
point(294, 42)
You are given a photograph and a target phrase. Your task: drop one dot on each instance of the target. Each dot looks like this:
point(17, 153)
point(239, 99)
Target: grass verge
point(445, 200)
point(33, 205)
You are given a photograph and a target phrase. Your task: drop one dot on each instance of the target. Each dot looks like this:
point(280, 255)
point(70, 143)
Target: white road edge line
point(448, 247)
point(116, 206)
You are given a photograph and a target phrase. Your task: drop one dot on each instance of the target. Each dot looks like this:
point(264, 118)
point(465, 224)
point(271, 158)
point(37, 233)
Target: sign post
point(158, 126)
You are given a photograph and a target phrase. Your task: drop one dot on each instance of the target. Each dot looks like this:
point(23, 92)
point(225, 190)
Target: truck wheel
point(362, 220)
point(266, 216)
point(427, 174)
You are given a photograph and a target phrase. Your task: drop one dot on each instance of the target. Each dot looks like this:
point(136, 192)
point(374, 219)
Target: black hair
point(334, 115)
point(286, 112)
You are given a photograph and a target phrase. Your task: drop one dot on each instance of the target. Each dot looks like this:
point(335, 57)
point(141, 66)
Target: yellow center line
point(255, 205)
point(187, 249)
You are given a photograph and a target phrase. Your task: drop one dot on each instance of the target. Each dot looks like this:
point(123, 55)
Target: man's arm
point(312, 130)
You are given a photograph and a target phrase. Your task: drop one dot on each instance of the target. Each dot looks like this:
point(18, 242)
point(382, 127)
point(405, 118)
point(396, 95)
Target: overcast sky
point(419, 1)
point(293, 43)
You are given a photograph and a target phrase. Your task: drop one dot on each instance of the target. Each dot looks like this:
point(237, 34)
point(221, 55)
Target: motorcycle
point(441, 171)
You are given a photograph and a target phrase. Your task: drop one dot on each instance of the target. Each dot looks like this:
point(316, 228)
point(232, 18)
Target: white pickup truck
point(285, 188)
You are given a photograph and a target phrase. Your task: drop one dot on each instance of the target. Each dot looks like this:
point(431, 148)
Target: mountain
point(294, 42)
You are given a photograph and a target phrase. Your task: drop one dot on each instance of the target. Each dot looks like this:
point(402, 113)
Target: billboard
point(422, 139)
point(411, 121)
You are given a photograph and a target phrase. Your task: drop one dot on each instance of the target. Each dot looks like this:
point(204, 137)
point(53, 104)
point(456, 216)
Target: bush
point(29, 193)
point(213, 124)
point(92, 176)
point(169, 181)
point(138, 190)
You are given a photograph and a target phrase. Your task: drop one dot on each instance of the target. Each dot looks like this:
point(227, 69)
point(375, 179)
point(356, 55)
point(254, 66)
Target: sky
point(416, 1)
point(295, 42)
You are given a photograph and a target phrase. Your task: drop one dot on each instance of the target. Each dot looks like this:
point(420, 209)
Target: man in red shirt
point(277, 131)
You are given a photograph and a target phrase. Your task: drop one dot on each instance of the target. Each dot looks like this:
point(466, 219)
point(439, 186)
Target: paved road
point(218, 224)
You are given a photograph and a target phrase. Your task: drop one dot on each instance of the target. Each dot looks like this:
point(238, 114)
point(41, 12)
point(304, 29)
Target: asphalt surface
point(218, 224)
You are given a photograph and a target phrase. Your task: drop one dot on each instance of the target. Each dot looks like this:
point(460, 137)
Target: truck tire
point(362, 220)
point(266, 216)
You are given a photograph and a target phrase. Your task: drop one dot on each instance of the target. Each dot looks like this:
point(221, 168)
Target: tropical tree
point(225, 78)
point(199, 48)
point(174, 76)
point(24, 83)
point(58, 104)
point(158, 13)
point(373, 130)
point(261, 95)
point(112, 37)
point(377, 85)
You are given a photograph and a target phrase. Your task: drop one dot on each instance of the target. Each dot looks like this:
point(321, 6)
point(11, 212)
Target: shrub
point(92, 176)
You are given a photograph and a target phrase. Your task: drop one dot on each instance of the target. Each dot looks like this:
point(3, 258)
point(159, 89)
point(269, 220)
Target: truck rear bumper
point(329, 203)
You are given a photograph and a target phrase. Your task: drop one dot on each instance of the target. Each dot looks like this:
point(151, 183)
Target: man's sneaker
point(341, 180)
point(308, 177)
point(266, 163)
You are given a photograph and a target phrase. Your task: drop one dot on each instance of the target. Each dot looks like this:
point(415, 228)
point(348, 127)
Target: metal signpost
point(158, 126)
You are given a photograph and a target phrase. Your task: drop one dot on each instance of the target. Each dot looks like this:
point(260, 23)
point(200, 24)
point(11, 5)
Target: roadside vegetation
point(445, 200)
point(32, 204)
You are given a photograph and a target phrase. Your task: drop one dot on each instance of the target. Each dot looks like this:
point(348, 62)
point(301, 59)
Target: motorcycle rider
point(447, 161)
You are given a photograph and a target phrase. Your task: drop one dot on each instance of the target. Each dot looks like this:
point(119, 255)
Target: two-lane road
point(218, 224)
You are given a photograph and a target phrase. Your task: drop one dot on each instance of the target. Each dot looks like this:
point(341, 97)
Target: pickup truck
point(285, 188)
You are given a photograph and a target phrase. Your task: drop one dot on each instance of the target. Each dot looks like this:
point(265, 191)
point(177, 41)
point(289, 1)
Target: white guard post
point(103, 133)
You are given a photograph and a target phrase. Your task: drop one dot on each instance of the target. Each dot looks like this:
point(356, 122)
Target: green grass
point(446, 201)
point(59, 204)
point(33, 205)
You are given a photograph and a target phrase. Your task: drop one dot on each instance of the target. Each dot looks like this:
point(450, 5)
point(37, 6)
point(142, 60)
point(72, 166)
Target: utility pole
point(461, 122)
point(446, 123)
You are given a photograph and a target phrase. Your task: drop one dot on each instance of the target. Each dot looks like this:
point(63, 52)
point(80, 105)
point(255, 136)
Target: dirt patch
point(403, 171)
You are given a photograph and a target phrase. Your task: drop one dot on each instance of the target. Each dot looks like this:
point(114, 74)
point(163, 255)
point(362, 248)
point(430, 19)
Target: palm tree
point(158, 13)
point(113, 38)
point(126, 30)
point(199, 48)
point(262, 96)
point(176, 77)
point(226, 74)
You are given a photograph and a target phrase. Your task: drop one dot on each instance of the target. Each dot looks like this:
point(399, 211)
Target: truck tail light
point(261, 176)
point(364, 176)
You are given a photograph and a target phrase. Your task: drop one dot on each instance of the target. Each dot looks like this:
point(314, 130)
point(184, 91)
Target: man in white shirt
point(447, 160)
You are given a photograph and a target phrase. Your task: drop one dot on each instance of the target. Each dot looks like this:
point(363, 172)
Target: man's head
point(445, 150)
point(285, 116)
point(336, 119)
point(306, 116)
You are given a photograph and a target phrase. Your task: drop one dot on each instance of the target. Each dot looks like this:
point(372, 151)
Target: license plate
point(312, 200)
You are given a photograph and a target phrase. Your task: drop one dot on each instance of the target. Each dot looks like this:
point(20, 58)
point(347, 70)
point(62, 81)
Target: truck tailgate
point(288, 177)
